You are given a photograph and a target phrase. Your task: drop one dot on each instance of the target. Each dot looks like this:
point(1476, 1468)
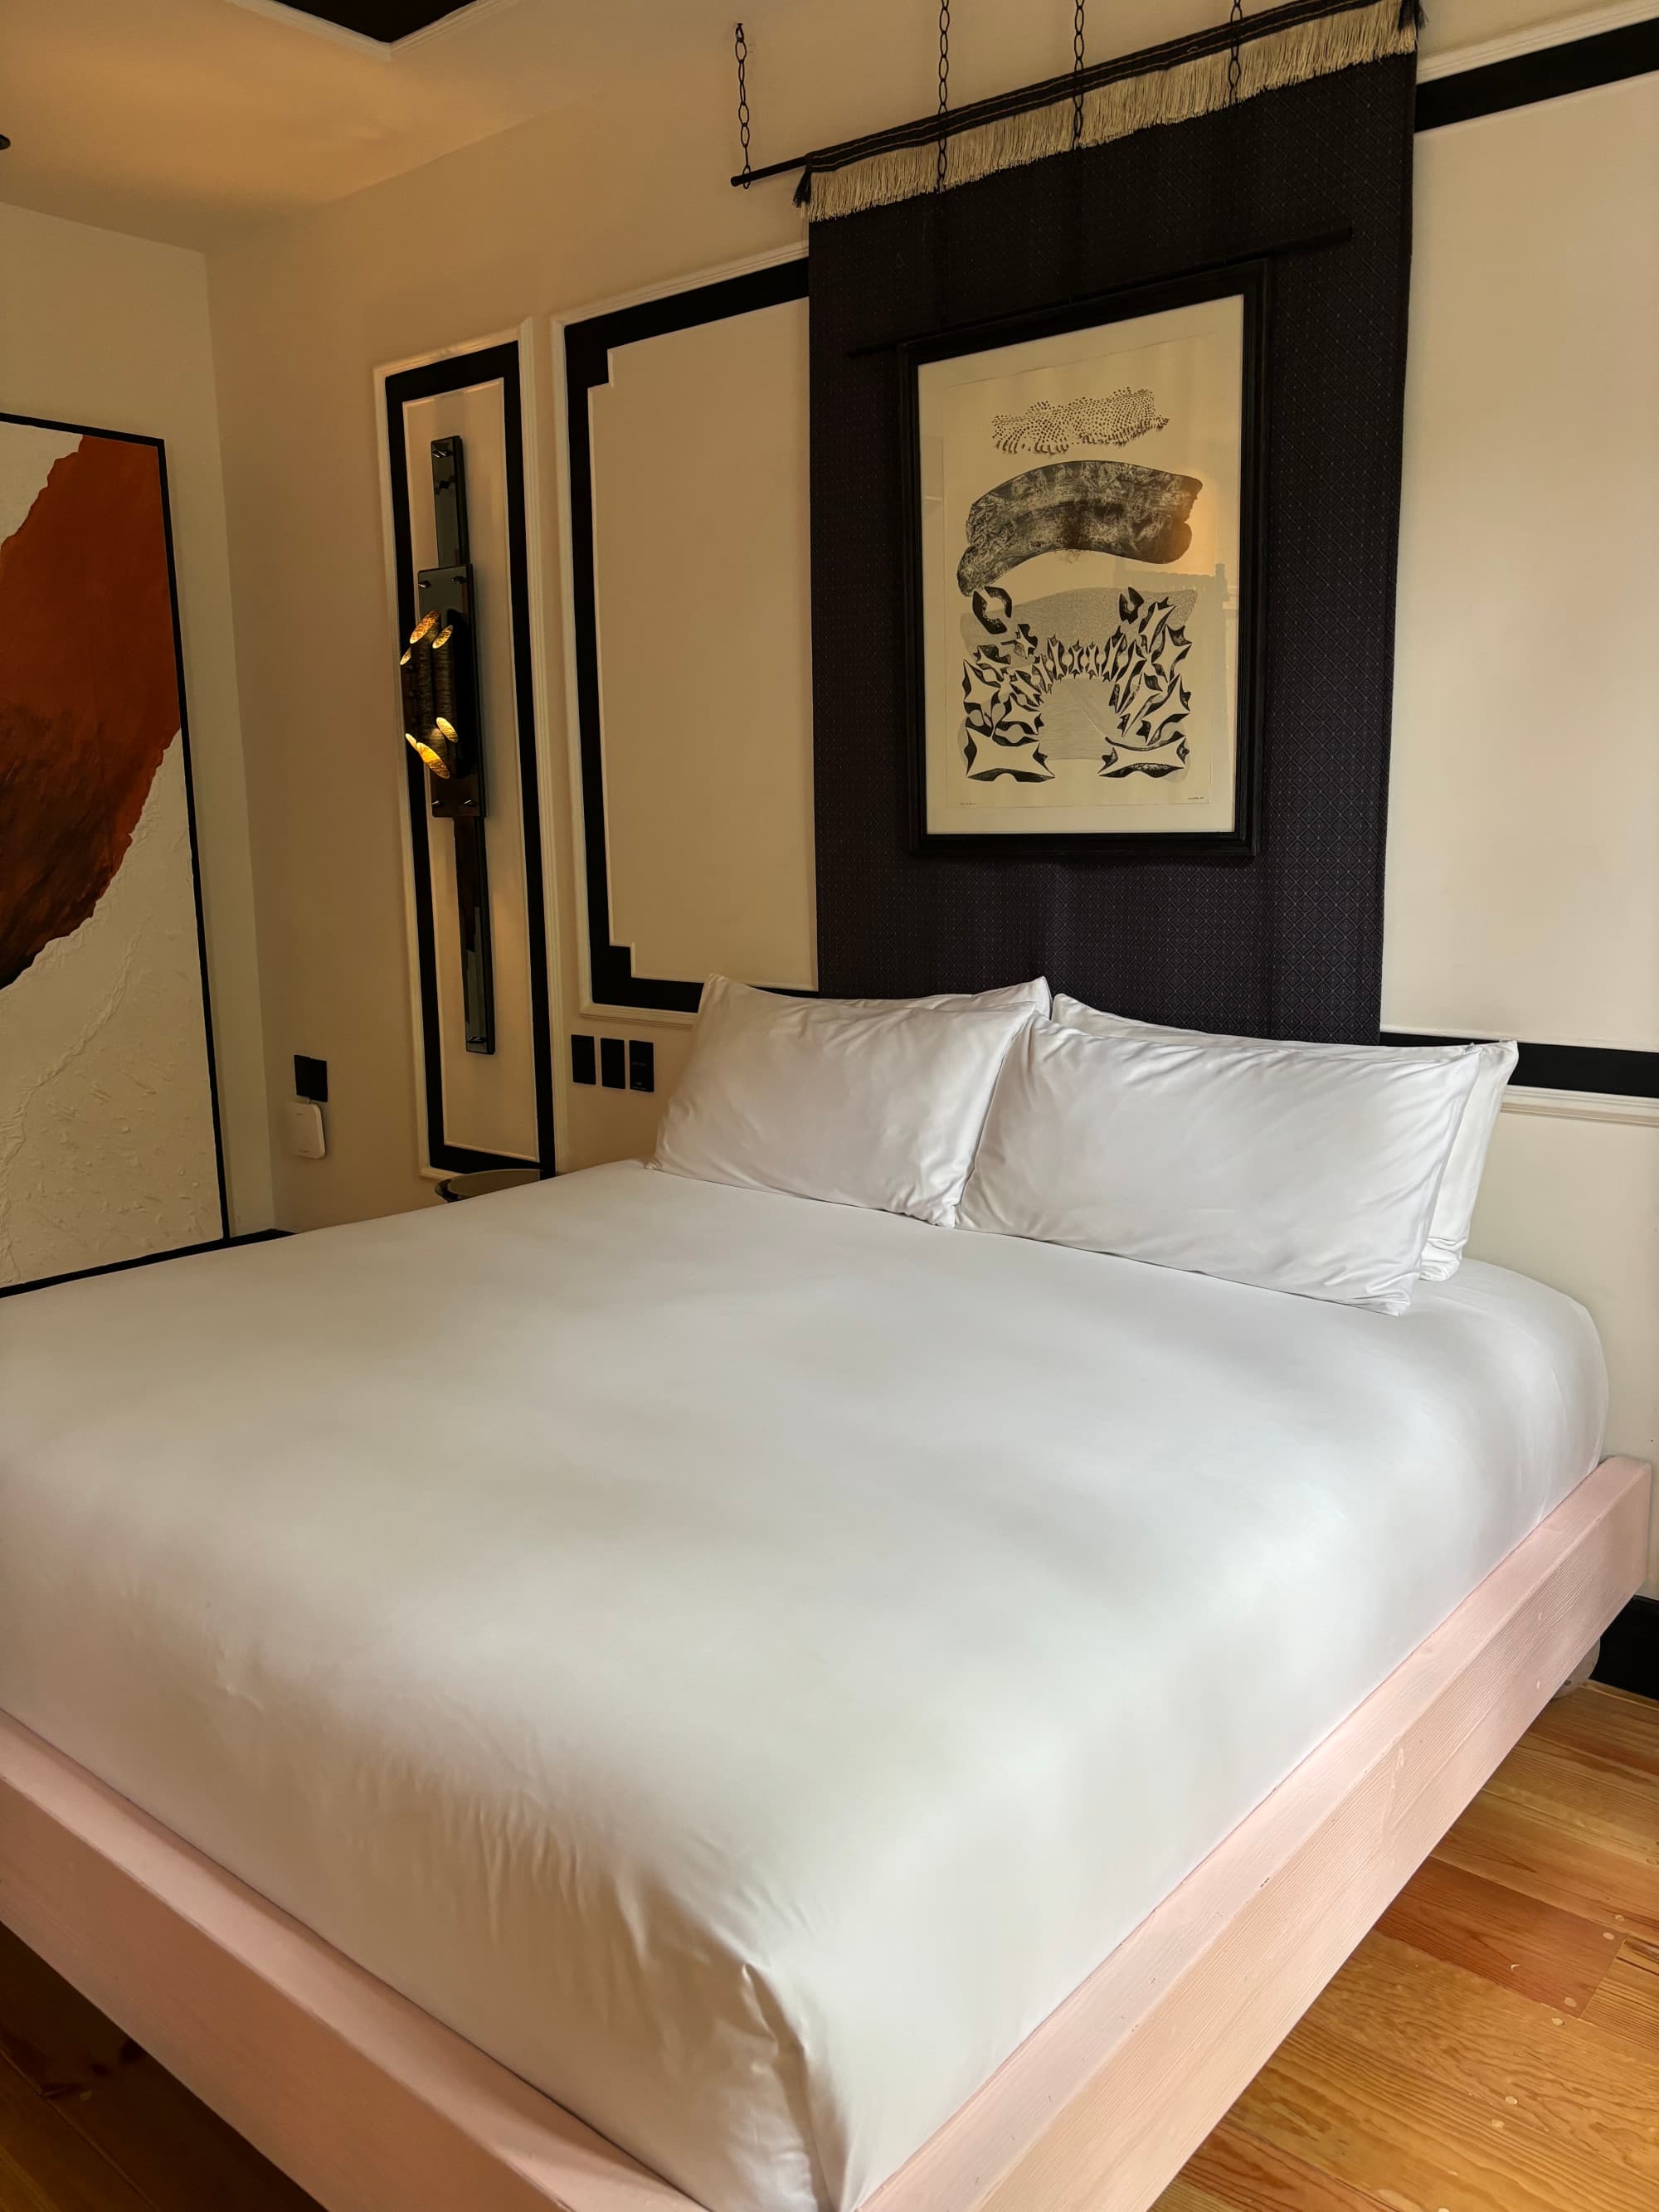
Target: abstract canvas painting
point(1081, 545)
point(108, 1135)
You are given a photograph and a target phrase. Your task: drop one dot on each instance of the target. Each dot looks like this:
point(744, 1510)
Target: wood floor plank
point(45, 2166)
point(1612, 1809)
point(180, 2155)
point(1603, 1726)
point(1408, 2139)
point(1627, 2003)
point(55, 2038)
point(1507, 2058)
point(1234, 2171)
point(1524, 1849)
point(1521, 1944)
point(1184, 2195)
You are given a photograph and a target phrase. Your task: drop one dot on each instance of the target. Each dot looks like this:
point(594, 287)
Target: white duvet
point(742, 1662)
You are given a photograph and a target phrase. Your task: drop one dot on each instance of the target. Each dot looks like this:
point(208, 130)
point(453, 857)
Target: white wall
point(1525, 773)
point(1522, 893)
point(700, 516)
point(571, 209)
point(1522, 887)
point(112, 332)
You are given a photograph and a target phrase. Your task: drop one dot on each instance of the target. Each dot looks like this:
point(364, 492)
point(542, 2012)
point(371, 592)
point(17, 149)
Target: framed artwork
point(1085, 585)
point(109, 1134)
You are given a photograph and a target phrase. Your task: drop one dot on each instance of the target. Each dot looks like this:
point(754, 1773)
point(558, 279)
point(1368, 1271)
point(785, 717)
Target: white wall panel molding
point(1585, 1106)
point(1590, 23)
point(683, 451)
point(1522, 899)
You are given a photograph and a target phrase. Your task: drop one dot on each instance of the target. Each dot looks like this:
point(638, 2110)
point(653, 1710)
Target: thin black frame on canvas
point(1250, 281)
point(587, 347)
point(159, 447)
point(492, 364)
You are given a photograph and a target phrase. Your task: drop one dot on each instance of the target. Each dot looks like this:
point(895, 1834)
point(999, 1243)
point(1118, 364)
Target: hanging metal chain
point(944, 86)
point(1077, 69)
point(740, 48)
point(1234, 67)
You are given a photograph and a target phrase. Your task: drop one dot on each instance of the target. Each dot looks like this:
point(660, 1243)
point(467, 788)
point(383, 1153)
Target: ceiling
point(186, 120)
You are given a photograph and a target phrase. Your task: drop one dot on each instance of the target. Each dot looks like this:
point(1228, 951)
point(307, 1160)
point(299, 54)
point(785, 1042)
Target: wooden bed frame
point(373, 2107)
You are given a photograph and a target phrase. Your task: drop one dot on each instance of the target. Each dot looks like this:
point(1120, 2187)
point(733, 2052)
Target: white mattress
point(741, 1662)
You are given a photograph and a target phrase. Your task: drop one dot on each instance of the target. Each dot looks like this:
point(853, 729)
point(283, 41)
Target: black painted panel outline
point(1551, 73)
point(1605, 1071)
point(587, 348)
point(458, 372)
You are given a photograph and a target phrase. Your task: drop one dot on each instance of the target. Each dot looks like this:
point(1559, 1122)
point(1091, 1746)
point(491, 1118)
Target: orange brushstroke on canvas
point(88, 692)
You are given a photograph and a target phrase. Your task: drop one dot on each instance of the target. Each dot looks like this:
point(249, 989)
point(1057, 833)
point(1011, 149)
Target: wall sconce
point(439, 673)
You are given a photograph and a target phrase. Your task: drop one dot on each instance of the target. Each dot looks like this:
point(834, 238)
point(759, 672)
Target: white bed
point(740, 1662)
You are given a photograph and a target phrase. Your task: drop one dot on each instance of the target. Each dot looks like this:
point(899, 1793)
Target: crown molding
point(1588, 23)
point(277, 12)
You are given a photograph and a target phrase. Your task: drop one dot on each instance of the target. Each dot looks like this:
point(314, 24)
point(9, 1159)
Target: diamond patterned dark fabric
point(1288, 943)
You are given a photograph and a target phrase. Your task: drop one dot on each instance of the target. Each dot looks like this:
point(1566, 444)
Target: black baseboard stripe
point(144, 1259)
point(1575, 65)
point(1607, 1069)
point(1630, 1650)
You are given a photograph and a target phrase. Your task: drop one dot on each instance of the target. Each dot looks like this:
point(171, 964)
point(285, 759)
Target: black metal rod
point(1053, 91)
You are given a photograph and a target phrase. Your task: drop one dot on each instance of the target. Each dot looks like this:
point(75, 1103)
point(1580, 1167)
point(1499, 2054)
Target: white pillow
point(1312, 1174)
point(1454, 1209)
point(878, 1105)
point(1032, 997)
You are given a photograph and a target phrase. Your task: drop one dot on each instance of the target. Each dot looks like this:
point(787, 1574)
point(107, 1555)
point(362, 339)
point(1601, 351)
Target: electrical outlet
point(641, 1065)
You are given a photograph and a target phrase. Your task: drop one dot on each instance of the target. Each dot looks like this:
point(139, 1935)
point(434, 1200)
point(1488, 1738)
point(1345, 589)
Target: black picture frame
point(1251, 281)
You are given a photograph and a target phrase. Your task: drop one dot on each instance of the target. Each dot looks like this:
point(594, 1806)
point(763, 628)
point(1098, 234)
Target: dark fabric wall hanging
point(1315, 178)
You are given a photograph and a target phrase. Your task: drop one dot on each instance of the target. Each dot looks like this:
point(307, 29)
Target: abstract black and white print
point(1081, 611)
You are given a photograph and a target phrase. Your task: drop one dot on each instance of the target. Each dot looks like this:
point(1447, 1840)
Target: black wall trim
point(490, 364)
point(587, 347)
point(158, 445)
point(1606, 1069)
point(388, 20)
point(1629, 1658)
point(1576, 65)
point(143, 1259)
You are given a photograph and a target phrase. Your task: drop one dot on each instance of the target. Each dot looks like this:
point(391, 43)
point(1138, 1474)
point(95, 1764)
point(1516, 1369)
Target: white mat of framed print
point(1083, 541)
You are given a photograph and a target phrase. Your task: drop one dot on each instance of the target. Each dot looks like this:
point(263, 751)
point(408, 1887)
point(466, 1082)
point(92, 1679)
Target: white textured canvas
point(107, 1148)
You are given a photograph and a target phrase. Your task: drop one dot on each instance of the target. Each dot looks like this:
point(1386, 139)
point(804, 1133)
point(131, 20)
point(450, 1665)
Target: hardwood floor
point(1491, 2046)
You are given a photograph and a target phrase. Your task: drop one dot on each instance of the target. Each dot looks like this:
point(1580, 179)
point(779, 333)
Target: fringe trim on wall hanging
point(1164, 84)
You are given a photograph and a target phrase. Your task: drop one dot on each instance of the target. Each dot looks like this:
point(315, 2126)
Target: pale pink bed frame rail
point(373, 2107)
